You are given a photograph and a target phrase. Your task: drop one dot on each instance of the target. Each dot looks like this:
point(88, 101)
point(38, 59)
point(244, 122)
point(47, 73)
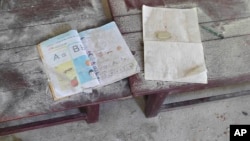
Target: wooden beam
point(187, 103)
point(42, 124)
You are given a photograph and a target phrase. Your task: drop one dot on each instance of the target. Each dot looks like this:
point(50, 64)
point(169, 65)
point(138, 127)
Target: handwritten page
point(110, 55)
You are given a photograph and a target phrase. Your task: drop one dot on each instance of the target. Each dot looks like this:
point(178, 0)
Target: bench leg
point(153, 104)
point(92, 113)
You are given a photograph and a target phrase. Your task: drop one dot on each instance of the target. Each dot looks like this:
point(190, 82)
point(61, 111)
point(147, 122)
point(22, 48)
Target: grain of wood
point(21, 37)
point(48, 12)
point(207, 10)
point(209, 31)
point(20, 54)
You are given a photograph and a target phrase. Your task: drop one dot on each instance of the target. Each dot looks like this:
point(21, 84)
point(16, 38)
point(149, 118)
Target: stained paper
point(172, 45)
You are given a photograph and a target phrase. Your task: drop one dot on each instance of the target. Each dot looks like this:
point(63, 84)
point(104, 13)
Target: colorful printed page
point(67, 64)
point(111, 57)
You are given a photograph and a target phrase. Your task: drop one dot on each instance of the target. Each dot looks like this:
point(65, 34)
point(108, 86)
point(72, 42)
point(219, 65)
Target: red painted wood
point(187, 87)
point(137, 4)
point(153, 104)
point(42, 124)
point(187, 103)
point(92, 113)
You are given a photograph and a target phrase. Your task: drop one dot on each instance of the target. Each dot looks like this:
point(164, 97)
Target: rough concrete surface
point(124, 121)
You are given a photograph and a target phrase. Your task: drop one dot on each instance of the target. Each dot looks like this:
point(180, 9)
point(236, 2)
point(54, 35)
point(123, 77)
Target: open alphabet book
point(77, 62)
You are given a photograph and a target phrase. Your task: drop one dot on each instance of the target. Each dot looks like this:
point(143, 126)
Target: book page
point(109, 53)
point(67, 64)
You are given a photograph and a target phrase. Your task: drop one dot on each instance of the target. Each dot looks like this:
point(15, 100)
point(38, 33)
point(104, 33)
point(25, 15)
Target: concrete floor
point(124, 121)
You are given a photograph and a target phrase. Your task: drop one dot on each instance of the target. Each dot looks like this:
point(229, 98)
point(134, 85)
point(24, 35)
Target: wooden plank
point(20, 4)
point(226, 60)
point(133, 23)
point(134, 41)
point(130, 23)
point(42, 124)
point(39, 118)
point(37, 100)
point(23, 4)
point(208, 11)
point(88, 113)
point(47, 12)
point(20, 54)
point(21, 75)
point(187, 103)
point(226, 28)
point(29, 36)
point(211, 92)
point(209, 31)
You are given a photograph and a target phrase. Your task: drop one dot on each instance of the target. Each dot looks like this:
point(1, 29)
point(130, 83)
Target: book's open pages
point(67, 65)
point(74, 65)
point(110, 55)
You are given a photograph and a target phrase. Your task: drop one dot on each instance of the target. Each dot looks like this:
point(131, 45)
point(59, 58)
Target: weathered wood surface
point(212, 10)
point(209, 30)
point(23, 13)
point(224, 32)
point(32, 35)
point(23, 83)
point(36, 100)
